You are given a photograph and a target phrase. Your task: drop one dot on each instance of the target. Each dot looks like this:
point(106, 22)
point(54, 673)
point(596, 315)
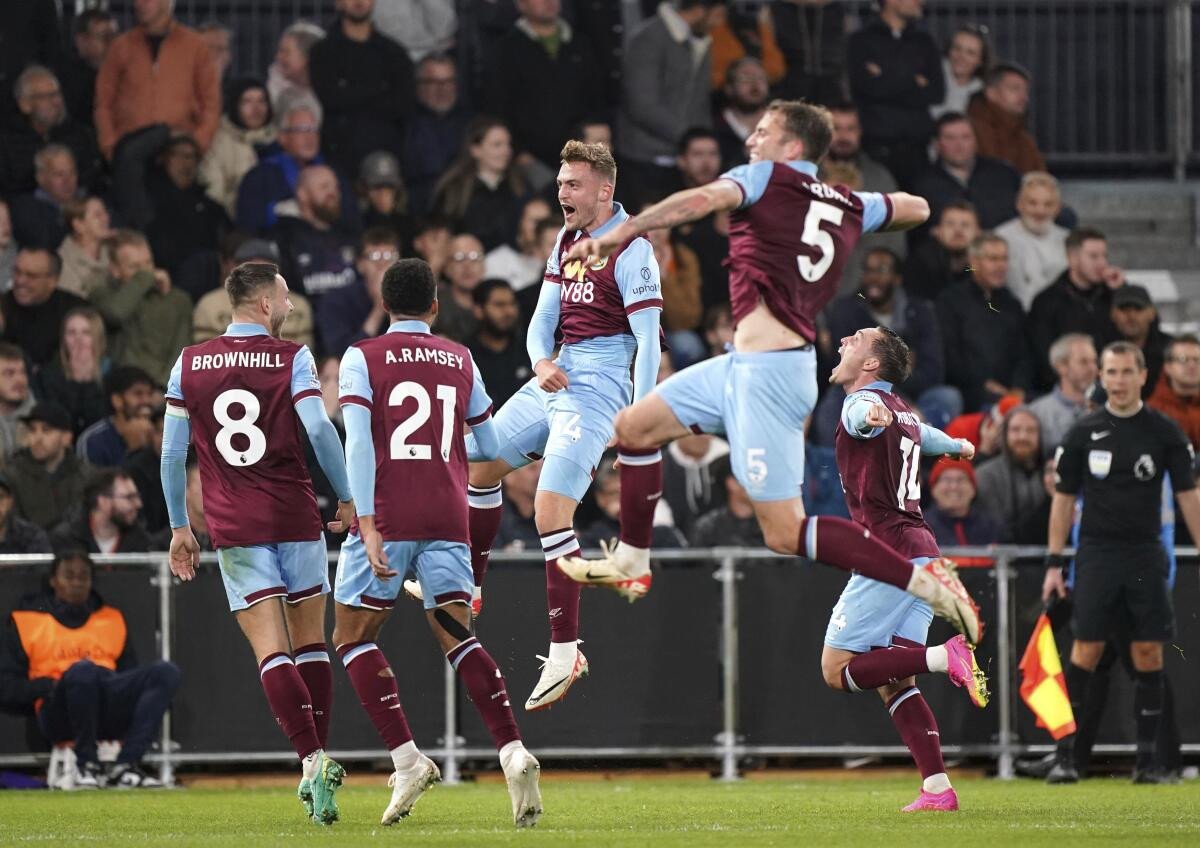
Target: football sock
point(486, 509)
point(376, 687)
point(882, 666)
point(919, 730)
point(1089, 717)
point(486, 688)
point(562, 593)
point(290, 702)
point(309, 764)
point(405, 756)
point(844, 544)
point(312, 661)
point(1077, 680)
point(1148, 708)
point(641, 488)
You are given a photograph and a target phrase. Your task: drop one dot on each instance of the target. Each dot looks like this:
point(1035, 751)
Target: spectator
point(517, 530)
point(31, 36)
point(316, 247)
point(187, 222)
point(1031, 527)
point(245, 132)
point(895, 76)
point(693, 484)
point(731, 524)
point(496, 343)
point(483, 190)
point(959, 173)
point(76, 700)
point(84, 252)
point(109, 522)
point(44, 121)
point(593, 131)
point(148, 320)
point(8, 247)
point(1073, 358)
point(953, 516)
point(421, 27)
point(699, 163)
point(1136, 320)
point(364, 81)
point(432, 238)
point(142, 466)
point(434, 133)
point(219, 40)
point(38, 219)
point(680, 285)
point(93, 31)
point(1078, 301)
point(983, 330)
point(386, 199)
point(607, 527)
point(812, 39)
point(15, 397)
point(1036, 245)
point(998, 115)
point(74, 378)
point(357, 312)
point(718, 329)
point(1177, 394)
point(106, 443)
point(746, 92)
point(523, 266)
point(17, 536)
point(666, 92)
point(968, 57)
point(456, 299)
point(32, 311)
point(160, 72)
point(738, 35)
point(546, 239)
point(941, 261)
point(1010, 484)
point(288, 78)
point(45, 477)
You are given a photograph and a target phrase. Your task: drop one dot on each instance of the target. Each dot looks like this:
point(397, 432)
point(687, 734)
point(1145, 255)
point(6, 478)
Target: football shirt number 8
point(243, 426)
point(400, 448)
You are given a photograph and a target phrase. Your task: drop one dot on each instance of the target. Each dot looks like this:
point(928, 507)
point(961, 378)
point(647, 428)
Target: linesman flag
point(1042, 685)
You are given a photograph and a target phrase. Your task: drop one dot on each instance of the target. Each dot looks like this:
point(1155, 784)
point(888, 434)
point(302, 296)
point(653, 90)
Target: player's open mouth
point(567, 210)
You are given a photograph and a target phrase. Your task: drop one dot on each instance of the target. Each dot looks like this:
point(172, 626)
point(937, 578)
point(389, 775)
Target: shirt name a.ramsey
point(423, 354)
point(237, 359)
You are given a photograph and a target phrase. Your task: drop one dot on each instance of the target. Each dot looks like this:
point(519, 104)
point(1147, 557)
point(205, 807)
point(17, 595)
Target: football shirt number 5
point(818, 238)
point(400, 448)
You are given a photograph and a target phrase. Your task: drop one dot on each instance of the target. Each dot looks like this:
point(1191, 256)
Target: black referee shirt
point(1118, 465)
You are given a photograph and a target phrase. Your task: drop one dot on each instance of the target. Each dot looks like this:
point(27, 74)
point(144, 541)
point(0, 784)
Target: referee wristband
point(1055, 561)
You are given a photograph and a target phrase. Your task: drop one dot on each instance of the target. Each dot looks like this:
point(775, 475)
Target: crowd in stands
point(136, 169)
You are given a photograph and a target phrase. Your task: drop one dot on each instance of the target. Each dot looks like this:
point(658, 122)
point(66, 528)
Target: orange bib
point(53, 648)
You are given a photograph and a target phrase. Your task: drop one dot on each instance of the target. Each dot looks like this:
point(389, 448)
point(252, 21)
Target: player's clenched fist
point(551, 378)
point(590, 249)
point(879, 415)
point(966, 450)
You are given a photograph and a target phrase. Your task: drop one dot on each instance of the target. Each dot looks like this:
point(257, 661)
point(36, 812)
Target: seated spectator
point(738, 35)
point(316, 245)
point(107, 442)
point(1136, 320)
point(17, 536)
point(92, 31)
point(385, 198)
point(745, 102)
point(846, 147)
point(1073, 358)
point(45, 477)
point(287, 78)
point(142, 466)
point(959, 173)
point(680, 284)
point(32, 311)
point(1010, 484)
point(693, 484)
point(998, 115)
point(812, 39)
point(110, 520)
point(15, 398)
point(434, 133)
point(1031, 527)
point(456, 300)
point(718, 329)
point(1177, 393)
point(518, 532)
point(546, 240)
point(74, 378)
point(483, 190)
point(521, 266)
point(731, 524)
point(421, 27)
point(607, 494)
point(44, 120)
point(246, 132)
point(38, 219)
point(968, 57)
point(983, 330)
point(219, 40)
point(982, 429)
point(186, 221)
point(84, 252)
point(147, 319)
point(498, 342)
point(1078, 301)
point(432, 237)
point(939, 262)
point(31, 35)
point(699, 163)
point(8, 246)
point(68, 659)
point(1036, 245)
point(954, 517)
point(357, 312)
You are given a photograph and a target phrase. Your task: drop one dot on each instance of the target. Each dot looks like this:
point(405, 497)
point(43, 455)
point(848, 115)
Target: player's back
point(238, 393)
point(881, 478)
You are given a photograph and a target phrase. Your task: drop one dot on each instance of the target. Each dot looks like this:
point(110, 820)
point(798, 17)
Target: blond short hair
point(595, 154)
point(1040, 179)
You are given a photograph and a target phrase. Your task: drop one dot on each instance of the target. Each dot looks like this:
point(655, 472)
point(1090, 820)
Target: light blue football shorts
point(442, 568)
point(293, 571)
point(870, 614)
point(760, 402)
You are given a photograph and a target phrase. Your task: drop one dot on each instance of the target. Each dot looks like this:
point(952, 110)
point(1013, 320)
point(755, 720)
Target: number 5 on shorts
point(756, 467)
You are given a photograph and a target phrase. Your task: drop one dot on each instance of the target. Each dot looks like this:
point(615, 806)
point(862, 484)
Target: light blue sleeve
point(644, 324)
point(553, 272)
point(360, 456)
point(539, 342)
point(175, 381)
point(637, 276)
point(326, 444)
point(1168, 527)
point(304, 372)
point(854, 415)
point(877, 210)
point(353, 379)
point(177, 434)
point(935, 443)
point(752, 179)
point(483, 442)
point(479, 405)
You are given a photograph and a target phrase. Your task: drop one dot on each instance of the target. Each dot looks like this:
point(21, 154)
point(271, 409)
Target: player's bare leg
point(355, 632)
point(451, 625)
point(306, 632)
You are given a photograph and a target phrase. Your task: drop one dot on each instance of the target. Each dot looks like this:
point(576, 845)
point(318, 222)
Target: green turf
point(633, 812)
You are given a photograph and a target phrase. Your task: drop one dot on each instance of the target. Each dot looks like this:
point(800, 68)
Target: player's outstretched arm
point(934, 442)
point(645, 324)
point(908, 211)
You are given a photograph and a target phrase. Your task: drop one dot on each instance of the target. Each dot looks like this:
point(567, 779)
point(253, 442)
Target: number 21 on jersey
point(399, 447)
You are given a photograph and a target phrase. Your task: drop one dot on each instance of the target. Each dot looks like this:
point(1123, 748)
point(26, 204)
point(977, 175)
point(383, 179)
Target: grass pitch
point(787, 811)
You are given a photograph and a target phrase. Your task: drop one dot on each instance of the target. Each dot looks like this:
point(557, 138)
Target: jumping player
point(789, 238)
point(240, 395)
point(876, 634)
point(406, 396)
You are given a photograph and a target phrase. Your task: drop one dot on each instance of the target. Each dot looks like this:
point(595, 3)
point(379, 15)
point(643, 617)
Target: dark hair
point(843, 107)
point(453, 192)
point(892, 353)
point(552, 223)
point(10, 352)
point(1179, 341)
point(1079, 235)
point(66, 554)
point(409, 288)
point(484, 290)
point(378, 234)
point(55, 259)
point(948, 118)
point(693, 134)
point(101, 485)
point(233, 99)
point(432, 221)
point(246, 281)
point(985, 55)
point(961, 206)
point(714, 314)
point(1123, 348)
point(810, 123)
point(123, 378)
point(79, 26)
point(1002, 69)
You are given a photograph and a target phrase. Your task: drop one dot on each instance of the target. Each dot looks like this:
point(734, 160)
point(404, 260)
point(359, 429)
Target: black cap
point(1131, 295)
point(50, 414)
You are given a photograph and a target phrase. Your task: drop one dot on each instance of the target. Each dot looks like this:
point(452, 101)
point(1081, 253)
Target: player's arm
point(1183, 480)
point(1068, 478)
point(936, 443)
point(864, 415)
point(637, 276)
point(895, 211)
point(539, 336)
point(177, 435)
point(310, 407)
point(483, 443)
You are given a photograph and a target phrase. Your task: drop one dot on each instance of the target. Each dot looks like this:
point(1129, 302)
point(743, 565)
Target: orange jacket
point(1184, 411)
point(1002, 135)
point(179, 89)
point(726, 49)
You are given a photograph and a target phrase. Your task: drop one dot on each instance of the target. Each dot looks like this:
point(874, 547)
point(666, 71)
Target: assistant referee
point(1116, 457)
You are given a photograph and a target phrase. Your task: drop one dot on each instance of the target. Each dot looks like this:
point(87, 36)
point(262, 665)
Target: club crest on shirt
point(1144, 468)
point(1099, 463)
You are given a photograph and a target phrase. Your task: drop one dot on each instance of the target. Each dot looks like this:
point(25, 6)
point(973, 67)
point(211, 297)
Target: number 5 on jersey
point(818, 238)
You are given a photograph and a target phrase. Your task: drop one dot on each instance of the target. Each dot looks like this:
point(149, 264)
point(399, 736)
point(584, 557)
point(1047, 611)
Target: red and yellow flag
point(1042, 685)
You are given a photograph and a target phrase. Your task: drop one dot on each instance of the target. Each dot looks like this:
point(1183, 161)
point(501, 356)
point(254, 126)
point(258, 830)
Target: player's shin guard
point(1148, 709)
point(844, 544)
point(376, 687)
point(486, 509)
point(562, 593)
point(919, 730)
point(290, 702)
point(487, 689)
point(641, 488)
point(312, 662)
point(883, 666)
